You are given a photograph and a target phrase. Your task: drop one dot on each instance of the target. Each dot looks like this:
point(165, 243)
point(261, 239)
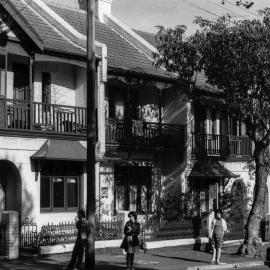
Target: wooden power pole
point(91, 135)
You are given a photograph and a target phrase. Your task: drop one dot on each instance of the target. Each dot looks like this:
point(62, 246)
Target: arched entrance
point(10, 187)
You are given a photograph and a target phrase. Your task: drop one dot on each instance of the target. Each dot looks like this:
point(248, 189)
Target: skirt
point(130, 247)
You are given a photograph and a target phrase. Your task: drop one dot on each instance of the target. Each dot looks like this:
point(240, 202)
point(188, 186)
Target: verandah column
point(31, 91)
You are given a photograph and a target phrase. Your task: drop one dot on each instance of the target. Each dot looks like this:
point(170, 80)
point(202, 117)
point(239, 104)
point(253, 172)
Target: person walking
point(130, 242)
point(218, 227)
point(81, 241)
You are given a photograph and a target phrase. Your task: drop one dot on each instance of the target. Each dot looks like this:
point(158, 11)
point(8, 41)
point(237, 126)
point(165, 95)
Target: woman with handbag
point(130, 242)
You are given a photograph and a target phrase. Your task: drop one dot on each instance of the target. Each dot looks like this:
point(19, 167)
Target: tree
point(235, 56)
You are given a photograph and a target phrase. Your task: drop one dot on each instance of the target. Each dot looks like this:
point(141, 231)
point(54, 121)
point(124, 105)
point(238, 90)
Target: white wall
point(18, 151)
point(63, 79)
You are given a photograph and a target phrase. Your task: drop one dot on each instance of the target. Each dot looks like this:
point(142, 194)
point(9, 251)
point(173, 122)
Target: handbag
point(124, 243)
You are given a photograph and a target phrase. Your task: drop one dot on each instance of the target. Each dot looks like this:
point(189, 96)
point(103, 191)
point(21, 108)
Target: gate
point(28, 235)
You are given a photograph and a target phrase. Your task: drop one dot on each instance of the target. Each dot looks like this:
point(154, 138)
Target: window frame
point(65, 208)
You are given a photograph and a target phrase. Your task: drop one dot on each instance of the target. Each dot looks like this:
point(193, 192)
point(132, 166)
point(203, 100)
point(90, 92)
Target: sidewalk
point(172, 258)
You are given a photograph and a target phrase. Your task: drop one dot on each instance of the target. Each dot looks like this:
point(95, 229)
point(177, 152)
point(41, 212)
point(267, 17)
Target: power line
point(200, 8)
point(229, 10)
point(244, 9)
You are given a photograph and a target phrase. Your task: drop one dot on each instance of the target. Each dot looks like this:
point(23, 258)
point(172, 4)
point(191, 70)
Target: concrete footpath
point(170, 258)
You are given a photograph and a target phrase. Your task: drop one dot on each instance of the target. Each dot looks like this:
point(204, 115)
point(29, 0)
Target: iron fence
point(2, 239)
point(236, 231)
point(28, 235)
point(109, 230)
point(180, 229)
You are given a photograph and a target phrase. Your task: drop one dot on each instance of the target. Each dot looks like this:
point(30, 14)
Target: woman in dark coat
point(130, 242)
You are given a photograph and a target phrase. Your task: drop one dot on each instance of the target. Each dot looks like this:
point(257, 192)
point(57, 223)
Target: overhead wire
point(244, 9)
point(227, 9)
point(200, 8)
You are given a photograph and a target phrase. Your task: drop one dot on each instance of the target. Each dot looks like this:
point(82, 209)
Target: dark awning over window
point(61, 150)
point(211, 169)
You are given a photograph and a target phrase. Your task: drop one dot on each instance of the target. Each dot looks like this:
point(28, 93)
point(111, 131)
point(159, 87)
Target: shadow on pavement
point(32, 264)
point(180, 258)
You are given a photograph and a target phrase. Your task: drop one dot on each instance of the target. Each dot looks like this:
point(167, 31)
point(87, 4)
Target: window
point(2, 61)
point(45, 194)
point(59, 193)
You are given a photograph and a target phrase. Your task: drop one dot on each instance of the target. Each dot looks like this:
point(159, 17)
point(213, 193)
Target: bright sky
point(146, 14)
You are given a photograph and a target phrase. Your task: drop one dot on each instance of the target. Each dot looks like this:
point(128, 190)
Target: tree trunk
point(252, 242)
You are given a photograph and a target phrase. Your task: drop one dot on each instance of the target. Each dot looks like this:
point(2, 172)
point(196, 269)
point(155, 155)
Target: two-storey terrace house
point(218, 154)
point(141, 116)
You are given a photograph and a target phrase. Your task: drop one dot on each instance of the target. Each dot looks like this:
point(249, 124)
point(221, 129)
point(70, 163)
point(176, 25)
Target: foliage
point(235, 57)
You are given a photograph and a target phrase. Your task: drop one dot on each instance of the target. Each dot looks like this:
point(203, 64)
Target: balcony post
point(160, 94)
point(127, 116)
point(31, 91)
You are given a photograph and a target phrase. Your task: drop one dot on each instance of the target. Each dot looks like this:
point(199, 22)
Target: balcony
point(144, 134)
point(221, 146)
point(19, 115)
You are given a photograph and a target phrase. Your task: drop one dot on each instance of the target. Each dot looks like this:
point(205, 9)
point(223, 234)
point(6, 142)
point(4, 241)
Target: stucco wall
point(63, 78)
point(18, 151)
point(80, 86)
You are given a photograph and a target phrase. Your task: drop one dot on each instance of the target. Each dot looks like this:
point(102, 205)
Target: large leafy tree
point(235, 56)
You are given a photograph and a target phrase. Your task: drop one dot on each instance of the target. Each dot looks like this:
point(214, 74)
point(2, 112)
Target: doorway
point(10, 187)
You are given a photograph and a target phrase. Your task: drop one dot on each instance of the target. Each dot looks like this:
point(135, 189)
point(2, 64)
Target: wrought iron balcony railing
point(144, 133)
point(221, 145)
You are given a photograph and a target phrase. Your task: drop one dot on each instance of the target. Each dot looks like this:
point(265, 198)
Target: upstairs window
point(2, 61)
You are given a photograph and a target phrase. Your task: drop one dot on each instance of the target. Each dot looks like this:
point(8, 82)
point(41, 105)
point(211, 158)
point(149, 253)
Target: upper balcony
point(20, 115)
point(25, 116)
point(144, 134)
point(222, 146)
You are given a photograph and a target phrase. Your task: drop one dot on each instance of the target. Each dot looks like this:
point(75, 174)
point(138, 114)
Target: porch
point(221, 145)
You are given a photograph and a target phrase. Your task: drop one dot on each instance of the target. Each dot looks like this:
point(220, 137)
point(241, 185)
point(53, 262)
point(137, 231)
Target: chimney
point(102, 7)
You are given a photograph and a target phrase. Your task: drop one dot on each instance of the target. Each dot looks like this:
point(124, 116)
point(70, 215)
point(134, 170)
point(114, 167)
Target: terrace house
point(141, 120)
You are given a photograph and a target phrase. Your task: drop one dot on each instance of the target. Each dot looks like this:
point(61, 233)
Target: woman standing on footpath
point(130, 242)
point(217, 229)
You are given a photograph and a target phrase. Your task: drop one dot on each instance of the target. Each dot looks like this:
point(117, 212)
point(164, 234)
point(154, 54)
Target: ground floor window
point(132, 188)
point(59, 187)
point(59, 193)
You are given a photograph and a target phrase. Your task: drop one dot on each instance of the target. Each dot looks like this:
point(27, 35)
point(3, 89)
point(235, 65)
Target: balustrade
point(144, 133)
point(221, 145)
point(16, 114)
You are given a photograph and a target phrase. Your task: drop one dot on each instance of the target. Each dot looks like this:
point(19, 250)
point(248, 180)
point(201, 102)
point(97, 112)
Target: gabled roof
point(122, 54)
point(20, 20)
point(149, 37)
point(51, 38)
point(201, 79)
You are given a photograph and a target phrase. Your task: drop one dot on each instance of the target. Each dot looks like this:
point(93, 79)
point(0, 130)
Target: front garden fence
point(152, 230)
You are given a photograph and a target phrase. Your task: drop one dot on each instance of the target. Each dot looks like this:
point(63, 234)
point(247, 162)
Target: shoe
point(217, 263)
point(212, 262)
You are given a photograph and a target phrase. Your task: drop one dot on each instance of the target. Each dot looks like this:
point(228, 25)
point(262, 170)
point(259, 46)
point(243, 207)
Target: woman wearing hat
point(130, 242)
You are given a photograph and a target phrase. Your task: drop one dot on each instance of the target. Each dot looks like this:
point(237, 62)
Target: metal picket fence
point(2, 238)
point(179, 229)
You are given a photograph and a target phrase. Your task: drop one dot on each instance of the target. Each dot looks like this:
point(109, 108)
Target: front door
point(132, 188)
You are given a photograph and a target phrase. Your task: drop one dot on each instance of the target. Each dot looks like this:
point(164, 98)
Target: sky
point(147, 14)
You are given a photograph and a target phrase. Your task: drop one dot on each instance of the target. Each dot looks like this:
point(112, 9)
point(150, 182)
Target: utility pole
point(91, 135)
